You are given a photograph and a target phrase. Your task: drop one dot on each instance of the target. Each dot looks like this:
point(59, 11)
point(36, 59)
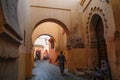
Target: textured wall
point(21, 63)
point(8, 68)
point(49, 28)
point(10, 14)
point(8, 62)
point(62, 39)
point(23, 23)
point(116, 12)
point(67, 13)
point(77, 59)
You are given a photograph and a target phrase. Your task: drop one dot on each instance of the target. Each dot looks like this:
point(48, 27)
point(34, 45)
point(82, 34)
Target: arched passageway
point(49, 26)
point(58, 33)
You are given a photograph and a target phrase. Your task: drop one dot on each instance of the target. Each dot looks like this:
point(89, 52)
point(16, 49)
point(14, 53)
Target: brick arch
point(55, 21)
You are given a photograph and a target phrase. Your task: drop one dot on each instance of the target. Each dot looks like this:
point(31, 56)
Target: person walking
point(61, 60)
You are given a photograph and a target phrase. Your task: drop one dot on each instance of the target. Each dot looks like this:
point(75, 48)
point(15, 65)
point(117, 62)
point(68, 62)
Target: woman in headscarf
point(104, 68)
point(103, 72)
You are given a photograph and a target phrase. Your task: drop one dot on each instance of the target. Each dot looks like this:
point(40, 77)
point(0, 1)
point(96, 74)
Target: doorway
point(97, 41)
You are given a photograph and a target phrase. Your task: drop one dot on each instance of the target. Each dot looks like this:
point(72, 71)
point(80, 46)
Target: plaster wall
point(67, 13)
point(77, 59)
point(22, 15)
point(64, 10)
point(24, 63)
point(53, 56)
point(8, 62)
point(116, 13)
point(9, 40)
point(21, 63)
point(7, 69)
point(118, 55)
point(62, 39)
point(28, 68)
point(10, 14)
point(49, 28)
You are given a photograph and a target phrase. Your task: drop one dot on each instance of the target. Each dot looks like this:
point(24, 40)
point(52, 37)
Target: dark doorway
point(98, 42)
point(97, 38)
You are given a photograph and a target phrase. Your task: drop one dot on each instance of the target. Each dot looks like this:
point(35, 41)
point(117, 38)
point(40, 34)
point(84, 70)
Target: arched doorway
point(97, 40)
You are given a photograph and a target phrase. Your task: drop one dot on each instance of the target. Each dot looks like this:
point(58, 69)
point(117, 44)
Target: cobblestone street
point(43, 70)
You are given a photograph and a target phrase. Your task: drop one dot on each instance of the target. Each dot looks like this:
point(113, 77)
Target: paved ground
point(46, 71)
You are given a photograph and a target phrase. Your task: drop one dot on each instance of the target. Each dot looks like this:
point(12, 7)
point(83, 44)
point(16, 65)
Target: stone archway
point(98, 46)
point(91, 43)
point(54, 24)
point(55, 21)
point(97, 38)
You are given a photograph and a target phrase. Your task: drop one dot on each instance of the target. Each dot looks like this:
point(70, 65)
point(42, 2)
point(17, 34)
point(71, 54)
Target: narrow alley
point(84, 34)
point(43, 70)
